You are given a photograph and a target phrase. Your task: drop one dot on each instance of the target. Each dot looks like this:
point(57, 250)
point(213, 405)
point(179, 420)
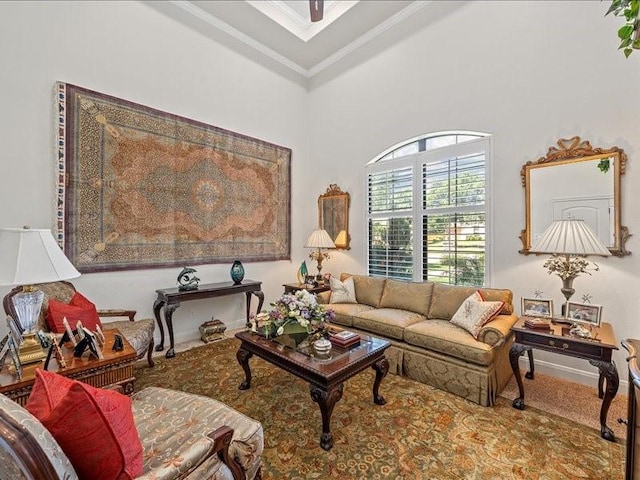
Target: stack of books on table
point(537, 323)
point(344, 338)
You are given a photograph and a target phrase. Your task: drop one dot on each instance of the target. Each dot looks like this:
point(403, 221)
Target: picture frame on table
point(585, 313)
point(14, 331)
point(537, 307)
point(13, 353)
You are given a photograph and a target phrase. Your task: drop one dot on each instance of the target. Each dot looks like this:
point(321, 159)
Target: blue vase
point(237, 272)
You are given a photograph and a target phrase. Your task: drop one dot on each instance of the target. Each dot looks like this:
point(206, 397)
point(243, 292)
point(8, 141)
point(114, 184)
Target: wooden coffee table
point(326, 376)
point(116, 369)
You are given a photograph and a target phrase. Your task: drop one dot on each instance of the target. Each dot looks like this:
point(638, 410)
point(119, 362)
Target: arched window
point(427, 209)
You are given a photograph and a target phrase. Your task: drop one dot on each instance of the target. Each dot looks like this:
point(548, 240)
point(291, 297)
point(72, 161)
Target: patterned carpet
point(421, 432)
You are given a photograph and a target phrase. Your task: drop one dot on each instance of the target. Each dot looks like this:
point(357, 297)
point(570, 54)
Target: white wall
point(526, 72)
point(131, 51)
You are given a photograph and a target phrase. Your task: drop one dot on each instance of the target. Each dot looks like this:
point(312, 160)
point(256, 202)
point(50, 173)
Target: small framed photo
point(13, 351)
point(537, 307)
point(14, 330)
point(584, 313)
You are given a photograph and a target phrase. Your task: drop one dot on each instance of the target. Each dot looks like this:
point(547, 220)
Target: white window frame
point(483, 144)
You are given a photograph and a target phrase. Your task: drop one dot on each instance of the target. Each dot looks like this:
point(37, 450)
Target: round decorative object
point(237, 272)
point(322, 346)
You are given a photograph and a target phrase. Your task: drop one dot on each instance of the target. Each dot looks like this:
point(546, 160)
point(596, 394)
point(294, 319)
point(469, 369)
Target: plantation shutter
point(390, 207)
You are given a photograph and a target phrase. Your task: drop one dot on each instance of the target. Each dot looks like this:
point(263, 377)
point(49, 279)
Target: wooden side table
point(116, 369)
point(294, 287)
point(596, 350)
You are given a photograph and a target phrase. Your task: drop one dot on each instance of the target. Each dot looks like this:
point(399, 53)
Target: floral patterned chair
point(182, 435)
point(139, 333)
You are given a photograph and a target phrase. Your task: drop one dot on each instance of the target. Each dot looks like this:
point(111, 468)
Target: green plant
point(629, 33)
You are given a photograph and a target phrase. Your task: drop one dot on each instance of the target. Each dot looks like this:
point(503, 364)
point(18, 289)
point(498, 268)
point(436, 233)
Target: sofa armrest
point(324, 297)
point(497, 330)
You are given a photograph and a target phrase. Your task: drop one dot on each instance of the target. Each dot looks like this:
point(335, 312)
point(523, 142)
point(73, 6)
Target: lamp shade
point(31, 256)
point(320, 239)
point(569, 237)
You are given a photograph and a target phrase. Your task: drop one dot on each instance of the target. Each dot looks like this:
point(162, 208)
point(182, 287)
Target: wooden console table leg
point(529, 374)
point(609, 371)
point(168, 319)
point(260, 295)
point(326, 400)
point(600, 386)
point(381, 367)
point(515, 352)
point(157, 306)
point(243, 357)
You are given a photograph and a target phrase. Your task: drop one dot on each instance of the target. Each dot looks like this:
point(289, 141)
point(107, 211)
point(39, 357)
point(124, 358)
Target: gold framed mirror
point(333, 215)
point(575, 180)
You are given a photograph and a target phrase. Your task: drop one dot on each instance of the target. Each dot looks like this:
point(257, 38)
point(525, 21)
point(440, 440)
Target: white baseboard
point(567, 373)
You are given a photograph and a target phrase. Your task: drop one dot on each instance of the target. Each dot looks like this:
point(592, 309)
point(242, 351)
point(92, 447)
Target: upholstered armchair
point(183, 436)
point(139, 333)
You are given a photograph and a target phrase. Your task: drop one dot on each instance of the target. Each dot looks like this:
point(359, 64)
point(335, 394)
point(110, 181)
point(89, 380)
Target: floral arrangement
point(566, 266)
point(298, 309)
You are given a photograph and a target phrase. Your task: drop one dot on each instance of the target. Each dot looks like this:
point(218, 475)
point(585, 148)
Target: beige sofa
point(425, 346)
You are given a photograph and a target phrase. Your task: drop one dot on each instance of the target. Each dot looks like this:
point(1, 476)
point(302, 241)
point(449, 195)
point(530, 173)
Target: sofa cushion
point(474, 313)
point(342, 292)
point(446, 299)
point(175, 443)
point(94, 427)
point(388, 322)
point(368, 289)
point(412, 296)
point(344, 312)
point(444, 337)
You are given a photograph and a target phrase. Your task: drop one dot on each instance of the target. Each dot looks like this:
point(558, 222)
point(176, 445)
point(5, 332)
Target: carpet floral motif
point(421, 432)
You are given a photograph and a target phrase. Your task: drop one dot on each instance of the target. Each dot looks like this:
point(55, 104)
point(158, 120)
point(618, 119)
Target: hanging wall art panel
point(141, 188)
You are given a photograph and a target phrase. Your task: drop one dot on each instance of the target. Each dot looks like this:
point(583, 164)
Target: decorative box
point(212, 330)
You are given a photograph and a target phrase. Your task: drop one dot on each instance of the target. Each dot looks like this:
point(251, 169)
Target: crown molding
point(215, 22)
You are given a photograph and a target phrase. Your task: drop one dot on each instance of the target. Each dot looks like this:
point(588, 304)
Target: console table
point(596, 350)
point(171, 298)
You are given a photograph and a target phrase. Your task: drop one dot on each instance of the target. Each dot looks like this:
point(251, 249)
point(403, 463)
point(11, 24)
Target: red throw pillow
point(78, 309)
point(94, 427)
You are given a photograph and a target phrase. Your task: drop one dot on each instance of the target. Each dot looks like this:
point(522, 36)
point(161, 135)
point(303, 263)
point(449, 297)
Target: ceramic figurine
point(187, 279)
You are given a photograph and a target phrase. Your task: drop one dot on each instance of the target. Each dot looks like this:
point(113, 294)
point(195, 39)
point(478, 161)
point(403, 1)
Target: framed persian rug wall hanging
point(141, 188)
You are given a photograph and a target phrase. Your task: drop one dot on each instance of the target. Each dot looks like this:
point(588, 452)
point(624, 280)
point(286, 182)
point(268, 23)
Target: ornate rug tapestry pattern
point(421, 433)
point(141, 188)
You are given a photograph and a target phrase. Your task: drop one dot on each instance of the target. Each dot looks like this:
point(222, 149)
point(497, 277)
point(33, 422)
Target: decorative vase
point(237, 272)
point(567, 287)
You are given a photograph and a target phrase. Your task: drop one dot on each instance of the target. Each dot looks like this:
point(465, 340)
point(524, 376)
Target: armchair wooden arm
point(221, 440)
point(117, 313)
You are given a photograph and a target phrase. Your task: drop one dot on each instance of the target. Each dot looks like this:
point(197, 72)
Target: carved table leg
point(609, 371)
point(381, 367)
point(326, 400)
point(529, 374)
point(600, 386)
point(260, 296)
point(157, 306)
point(168, 319)
point(243, 357)
point(514, 354)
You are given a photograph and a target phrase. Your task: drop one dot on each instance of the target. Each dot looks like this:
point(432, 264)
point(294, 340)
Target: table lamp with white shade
point(319, 239)
point(29, 256)
point(569, 241)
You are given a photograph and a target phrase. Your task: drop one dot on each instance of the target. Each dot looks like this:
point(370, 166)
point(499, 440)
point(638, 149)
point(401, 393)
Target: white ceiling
point(283, 31)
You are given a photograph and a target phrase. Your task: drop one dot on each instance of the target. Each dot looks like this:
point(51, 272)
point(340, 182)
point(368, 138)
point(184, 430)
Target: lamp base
point(30, 350)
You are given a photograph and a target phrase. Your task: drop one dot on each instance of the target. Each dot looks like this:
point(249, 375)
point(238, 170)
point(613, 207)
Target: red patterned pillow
point(94, 427)
point(78, 309)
